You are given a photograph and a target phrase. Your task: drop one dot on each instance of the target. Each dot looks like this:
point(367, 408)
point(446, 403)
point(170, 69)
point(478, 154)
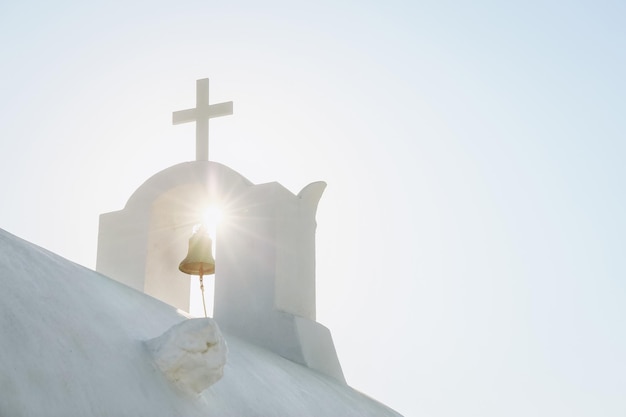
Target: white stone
point(191, 354)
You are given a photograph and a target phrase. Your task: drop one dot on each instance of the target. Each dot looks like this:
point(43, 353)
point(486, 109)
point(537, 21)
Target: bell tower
point(265, 248)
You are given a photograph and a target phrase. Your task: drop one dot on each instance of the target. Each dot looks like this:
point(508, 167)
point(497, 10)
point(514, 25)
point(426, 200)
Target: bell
point(199, 260)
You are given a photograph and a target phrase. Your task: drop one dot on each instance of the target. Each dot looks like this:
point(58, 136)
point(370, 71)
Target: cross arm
point(221, 109)
point(183, 116)
point(191, 115)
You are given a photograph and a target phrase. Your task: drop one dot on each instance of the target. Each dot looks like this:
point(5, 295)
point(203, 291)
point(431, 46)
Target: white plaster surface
point(73, 344)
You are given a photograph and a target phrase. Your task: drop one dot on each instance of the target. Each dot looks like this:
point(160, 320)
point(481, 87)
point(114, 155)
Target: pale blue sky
point(471, 238)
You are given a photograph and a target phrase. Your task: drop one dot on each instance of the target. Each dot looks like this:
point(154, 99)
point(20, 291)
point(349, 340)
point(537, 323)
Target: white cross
point(201, 115)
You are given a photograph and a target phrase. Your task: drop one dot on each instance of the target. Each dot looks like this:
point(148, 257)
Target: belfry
point(265, 247)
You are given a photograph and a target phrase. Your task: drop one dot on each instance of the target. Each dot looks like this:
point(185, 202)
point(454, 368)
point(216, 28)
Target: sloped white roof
point(72, 345)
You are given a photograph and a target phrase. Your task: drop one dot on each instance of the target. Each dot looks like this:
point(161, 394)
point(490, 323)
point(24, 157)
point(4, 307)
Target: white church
point(120, 341)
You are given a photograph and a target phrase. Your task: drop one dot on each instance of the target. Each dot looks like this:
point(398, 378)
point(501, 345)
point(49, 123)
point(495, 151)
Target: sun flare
point(211, 217)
